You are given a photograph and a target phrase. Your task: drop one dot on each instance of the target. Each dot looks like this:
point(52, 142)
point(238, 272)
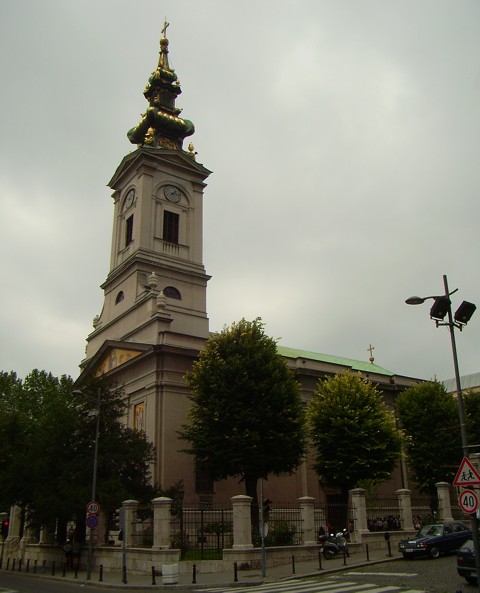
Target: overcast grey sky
point(343, 136)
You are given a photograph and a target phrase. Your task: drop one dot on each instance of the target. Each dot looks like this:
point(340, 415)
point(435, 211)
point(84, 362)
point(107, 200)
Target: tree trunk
point(251, 490)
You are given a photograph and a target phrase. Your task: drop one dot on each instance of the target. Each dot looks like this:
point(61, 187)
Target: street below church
point(400, 576)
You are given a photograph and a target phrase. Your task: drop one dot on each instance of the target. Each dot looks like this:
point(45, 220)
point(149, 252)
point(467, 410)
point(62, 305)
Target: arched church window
point(172, 292)
point(120, 297)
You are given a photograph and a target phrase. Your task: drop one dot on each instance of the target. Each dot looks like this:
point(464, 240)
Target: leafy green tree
point(246, 417)
point(471, 404)
point(47, 437)
point(429, 418)
point(353, 432)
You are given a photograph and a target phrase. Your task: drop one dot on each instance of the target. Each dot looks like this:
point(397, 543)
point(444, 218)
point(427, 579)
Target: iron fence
point(333, 518)
point(383, 514)
point(283, 525)
point(142, 528)
point(201, 533)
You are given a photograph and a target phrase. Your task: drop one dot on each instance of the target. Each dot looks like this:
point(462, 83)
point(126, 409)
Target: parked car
point(466, 562)
point(433, 540)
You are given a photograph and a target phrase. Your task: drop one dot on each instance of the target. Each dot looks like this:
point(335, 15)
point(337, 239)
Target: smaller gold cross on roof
point(371, 349)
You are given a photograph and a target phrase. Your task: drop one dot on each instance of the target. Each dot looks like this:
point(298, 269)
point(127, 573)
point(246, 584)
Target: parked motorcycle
point(334, 544)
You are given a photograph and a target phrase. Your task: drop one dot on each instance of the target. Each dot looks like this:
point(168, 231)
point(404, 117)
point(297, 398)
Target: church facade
point(154, 321)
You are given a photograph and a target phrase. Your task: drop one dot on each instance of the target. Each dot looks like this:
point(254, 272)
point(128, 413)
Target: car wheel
point(406, 556)
point(434, 552)
point(471, 580)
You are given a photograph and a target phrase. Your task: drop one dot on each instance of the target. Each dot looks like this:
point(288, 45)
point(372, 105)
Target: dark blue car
point(433, 540)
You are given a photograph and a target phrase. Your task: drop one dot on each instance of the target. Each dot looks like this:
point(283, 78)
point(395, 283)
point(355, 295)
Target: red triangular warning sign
point(467, 474)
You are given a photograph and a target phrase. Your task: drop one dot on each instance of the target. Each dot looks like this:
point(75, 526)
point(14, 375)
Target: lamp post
point(442, 307)
point(96, 413)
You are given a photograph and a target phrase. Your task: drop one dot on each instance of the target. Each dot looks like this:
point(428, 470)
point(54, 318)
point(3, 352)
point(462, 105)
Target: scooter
point(334, 545)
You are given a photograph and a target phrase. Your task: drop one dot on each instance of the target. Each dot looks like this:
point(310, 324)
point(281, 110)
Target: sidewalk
point(137, 581)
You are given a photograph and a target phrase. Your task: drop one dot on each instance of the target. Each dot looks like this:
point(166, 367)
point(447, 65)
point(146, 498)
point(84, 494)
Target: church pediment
point(112, 355)
point(154, 157)
point(115, 358)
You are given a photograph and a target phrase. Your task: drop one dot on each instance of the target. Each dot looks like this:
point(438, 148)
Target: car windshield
point(430, 530)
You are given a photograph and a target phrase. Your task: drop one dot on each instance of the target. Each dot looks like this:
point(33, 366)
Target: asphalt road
point(433, 576)
point(21, 583)
point(436, 576)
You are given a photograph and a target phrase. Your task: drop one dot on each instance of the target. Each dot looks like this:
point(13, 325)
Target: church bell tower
point(154, 322)
point(157, 282)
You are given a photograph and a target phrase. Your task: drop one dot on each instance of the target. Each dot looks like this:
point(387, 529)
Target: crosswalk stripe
point(309, 585)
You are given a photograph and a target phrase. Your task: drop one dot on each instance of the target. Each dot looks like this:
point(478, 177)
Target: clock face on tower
point(129, 199)
point(172, 193)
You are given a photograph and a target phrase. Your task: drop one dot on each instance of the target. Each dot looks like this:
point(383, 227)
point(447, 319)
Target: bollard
point(53, 568)
point(154, 582)
point(35, 567)
point(44, 563)
point(344, 555)
point(194, 575)
point(64, 571)
point(320, 561)
point(389, 548)
point(13, 564)
point(124, 575)
point(293, 564)
point(76, 571)
point(8, 563)
point(27, 568)
point(19, 565)
point(100, 578)
point(235, 572)
point(368, 556)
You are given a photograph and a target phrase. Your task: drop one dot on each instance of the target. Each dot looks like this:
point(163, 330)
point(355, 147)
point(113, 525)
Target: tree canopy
point(471, 404)
point(429, 418)
point(246, 417)
point(47, 436)
point(352, 431)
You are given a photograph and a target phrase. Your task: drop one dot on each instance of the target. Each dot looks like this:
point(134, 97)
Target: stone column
point(405, 508)
point(129, 511)
point(15, 523)
point(475, 459)
point(307, 514)
point(162, 507)
point(444, 506)
point(359, 509)
point(242, 522)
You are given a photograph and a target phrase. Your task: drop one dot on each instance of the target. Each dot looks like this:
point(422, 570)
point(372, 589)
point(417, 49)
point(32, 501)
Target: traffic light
point(266, 506)
point(5, 524)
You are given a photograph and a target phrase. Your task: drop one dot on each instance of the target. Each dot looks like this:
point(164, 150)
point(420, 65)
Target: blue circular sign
point(92, 521)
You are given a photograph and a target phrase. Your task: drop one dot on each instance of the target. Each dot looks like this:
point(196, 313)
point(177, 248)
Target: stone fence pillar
point(475, 459)
point(162, 507)
point(15, 523)
point(405, 508)
point(242, 522)
point(444, 506)
point(359, 511)
point(129, 513)
point(307, 514)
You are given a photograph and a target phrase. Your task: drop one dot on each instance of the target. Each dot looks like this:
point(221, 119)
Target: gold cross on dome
point(165, 26)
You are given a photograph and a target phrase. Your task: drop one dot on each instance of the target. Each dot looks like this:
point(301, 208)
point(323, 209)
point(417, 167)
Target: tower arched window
point(120, 297)
point(172, 292)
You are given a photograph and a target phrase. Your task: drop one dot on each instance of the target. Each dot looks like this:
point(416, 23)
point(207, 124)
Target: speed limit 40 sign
point(93, 507)
point(468, 501)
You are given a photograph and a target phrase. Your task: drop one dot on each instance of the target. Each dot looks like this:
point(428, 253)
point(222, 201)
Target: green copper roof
point(355, 365)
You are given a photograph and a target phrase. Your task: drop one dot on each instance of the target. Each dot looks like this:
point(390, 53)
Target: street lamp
point(441, 308)
point(95, 412)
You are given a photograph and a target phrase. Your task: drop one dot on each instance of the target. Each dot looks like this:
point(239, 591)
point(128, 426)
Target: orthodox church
point(154, 321)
